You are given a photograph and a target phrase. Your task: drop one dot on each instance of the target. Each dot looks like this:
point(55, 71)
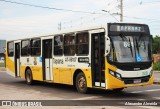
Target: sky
point(21, 21)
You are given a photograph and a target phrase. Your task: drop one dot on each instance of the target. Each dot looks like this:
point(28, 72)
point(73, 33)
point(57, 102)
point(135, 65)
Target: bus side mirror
point(107, 45)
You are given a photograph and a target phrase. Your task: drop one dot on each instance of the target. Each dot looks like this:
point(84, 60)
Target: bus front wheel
point(29, 78)
point(81, 83)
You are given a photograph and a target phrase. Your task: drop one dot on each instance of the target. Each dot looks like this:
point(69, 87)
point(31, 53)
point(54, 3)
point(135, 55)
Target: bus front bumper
point(114, 83)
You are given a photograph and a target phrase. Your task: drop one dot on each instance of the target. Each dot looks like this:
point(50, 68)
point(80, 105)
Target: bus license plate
point(137, 81)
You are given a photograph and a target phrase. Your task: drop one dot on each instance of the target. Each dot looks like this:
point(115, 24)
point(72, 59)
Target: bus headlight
point(111, 72)
point(115, 74)
point(118, 75)
point(151, 72)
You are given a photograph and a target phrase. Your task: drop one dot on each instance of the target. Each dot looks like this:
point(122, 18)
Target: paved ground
point(2, 69)
point(157, 74)
point(16, 89)
point(157, 77)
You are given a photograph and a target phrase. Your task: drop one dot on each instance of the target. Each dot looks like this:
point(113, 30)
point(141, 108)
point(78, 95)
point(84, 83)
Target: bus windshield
point(130, 48)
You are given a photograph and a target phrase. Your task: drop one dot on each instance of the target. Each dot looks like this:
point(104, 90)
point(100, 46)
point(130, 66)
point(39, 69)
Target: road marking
point(141, 99)
point(86, 98)
point(89, 107)
point(148, 107)
point(152, 90)
point(157, 98)
point(137, 91)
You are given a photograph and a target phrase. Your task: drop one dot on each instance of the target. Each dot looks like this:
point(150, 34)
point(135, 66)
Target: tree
point(156, 44)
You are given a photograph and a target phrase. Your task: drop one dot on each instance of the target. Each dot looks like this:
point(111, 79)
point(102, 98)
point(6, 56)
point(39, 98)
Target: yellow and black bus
point(113, 56)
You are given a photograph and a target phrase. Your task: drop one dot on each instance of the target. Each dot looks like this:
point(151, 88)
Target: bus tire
point(29, 77)
point(81, 83)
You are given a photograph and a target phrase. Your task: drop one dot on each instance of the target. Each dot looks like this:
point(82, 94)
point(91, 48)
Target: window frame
point(61, 35)
point(10, 49)
point(77, 43)
point(31, 47)
point(69, 45)
point(28, 48)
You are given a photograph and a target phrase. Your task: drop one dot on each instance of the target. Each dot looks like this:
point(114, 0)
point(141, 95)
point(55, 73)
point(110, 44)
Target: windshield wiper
point(137, 47)
point(123, 37)
point(130, 47)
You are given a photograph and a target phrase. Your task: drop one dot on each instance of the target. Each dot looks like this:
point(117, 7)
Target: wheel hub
point(82, 83)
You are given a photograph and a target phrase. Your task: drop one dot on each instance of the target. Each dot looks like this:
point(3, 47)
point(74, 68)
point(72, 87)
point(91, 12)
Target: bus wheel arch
point(80, 81)
point(28, 76)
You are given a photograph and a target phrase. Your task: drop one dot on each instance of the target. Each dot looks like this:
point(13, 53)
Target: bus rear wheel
point(29, 77)
point(81, 83)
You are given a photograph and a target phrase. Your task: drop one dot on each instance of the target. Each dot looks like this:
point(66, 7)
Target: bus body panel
point(28, 62)
point(10, 66)
point(61, 75)
point(134, 74)
point(63, 68)
point(113, 83)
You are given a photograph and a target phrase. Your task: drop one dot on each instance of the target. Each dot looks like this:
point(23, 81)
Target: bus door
point(17, 59)
point(47, 59)
point(98, 59)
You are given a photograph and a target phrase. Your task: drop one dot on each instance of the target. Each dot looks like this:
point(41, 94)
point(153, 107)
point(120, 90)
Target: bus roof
point(76, 29)
point(64, 31)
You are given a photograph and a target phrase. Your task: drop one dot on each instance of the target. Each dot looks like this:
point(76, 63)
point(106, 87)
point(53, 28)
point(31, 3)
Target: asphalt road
point(16, 89)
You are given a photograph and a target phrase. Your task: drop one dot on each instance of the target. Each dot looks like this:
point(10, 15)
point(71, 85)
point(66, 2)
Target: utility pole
point(121, 8)
point(59, 26)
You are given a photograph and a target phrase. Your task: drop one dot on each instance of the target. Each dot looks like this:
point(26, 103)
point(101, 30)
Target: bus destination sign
point(127, 28)
point(130, 28)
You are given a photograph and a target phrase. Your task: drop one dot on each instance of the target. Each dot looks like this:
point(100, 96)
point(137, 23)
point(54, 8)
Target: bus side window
point(58, 45)
point(69, 45)
point(25, 48)
point(10, 49)
point(82, 47)
point(36, 47)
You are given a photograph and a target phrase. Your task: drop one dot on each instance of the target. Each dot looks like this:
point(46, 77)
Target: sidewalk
point(156, 77)
point(2, 69)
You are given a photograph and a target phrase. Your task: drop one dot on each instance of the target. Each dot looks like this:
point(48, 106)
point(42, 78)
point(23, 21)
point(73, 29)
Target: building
point(2, 46)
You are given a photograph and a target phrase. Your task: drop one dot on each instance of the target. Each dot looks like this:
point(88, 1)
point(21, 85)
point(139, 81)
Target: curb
point(2, 69)
point(156, 71)
point(156, 81)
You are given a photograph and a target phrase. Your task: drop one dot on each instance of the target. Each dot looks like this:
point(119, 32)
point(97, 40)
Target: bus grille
point(131, 80)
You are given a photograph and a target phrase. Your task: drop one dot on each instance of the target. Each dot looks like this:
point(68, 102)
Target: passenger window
point(69, 44)
point(25, 48)
point(10, 49)
point(36, 47)
point(82, 45)
point(58, 45)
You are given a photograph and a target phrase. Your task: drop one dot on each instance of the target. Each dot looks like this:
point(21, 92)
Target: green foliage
point(2, 64)
point(156, 44)
point(156, 66)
